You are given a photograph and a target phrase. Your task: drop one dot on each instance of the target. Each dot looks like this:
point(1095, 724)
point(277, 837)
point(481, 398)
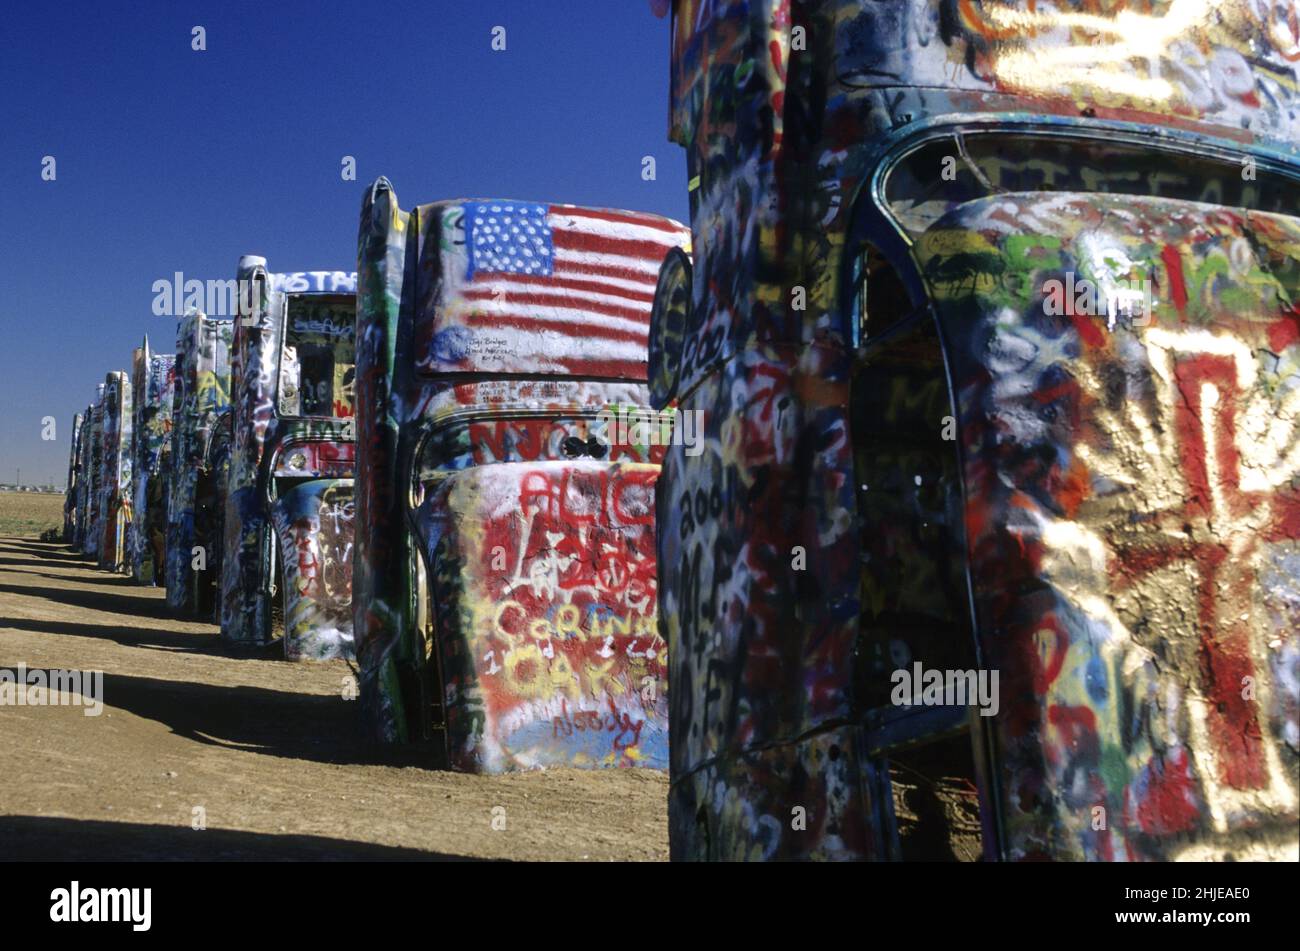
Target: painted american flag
point(570, 289)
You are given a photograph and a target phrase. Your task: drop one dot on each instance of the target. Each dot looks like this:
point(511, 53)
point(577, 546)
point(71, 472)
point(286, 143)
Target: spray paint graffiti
point(314, 524)
point(197, 471)
point(72, 493)
point(153, 381)
point(92, 527)
point(292, 462)
point(115, 471)
point(1156, 540)
point(505, 589)
point(795, 118)
point(552, 630)
point(89, 475)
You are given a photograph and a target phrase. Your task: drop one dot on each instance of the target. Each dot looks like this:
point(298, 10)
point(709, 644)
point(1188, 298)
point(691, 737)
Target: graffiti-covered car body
point(992, 324)
point(196, 473)
point(90, 461)
point(114, 486)
point(288, 523)
point(91, 454)
point(72, 492)
point(504, 570)
point(86, 479)
point(153, 383)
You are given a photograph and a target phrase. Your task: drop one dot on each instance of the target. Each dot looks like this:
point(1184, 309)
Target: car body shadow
point(147, 638)
point(45, 839)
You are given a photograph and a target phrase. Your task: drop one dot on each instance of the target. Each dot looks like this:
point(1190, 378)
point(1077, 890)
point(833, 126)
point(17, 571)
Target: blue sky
point(174, 160)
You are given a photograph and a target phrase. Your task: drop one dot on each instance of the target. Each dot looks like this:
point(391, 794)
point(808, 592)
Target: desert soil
point(270, 750)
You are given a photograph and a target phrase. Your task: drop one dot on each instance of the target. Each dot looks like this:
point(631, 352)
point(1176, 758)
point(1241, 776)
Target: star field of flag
point(553, 288)
point(509, 238)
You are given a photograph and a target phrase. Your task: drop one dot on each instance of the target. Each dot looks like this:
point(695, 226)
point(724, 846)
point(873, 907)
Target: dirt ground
point(269, 750)
point(29, 513)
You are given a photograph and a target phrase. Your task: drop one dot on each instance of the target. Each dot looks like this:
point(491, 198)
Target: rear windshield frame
point(329, 300)
point(1163, 143)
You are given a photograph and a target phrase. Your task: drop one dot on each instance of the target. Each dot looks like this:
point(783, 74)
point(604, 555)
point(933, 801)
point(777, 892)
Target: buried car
point(196, 469)
point(72, 494)
point(288, 521)
point(998, 353)
point(153, 381)
point(92, 451)
point(115, 471)
point(504, 576)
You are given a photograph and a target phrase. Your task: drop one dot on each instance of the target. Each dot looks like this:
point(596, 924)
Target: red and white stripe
point(592, 313)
